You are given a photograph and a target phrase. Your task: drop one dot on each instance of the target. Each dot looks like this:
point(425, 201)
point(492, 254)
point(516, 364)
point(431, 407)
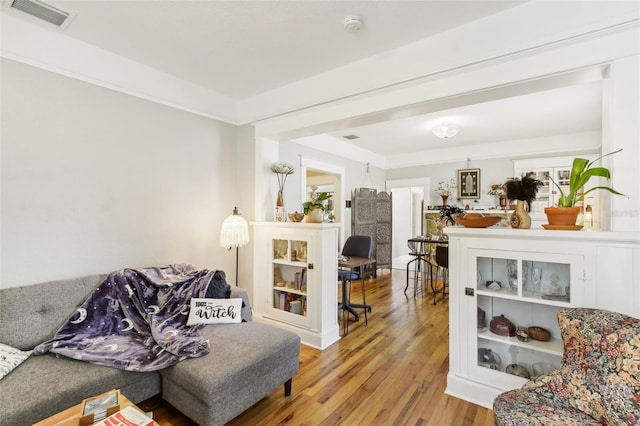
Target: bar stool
point(442, 261)
point(420, 263)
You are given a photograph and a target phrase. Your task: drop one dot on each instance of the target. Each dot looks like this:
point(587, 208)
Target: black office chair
point(356, 246)
point(442, 260)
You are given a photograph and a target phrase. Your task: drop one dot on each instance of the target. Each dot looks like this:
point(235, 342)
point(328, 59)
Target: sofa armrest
point(238, 292)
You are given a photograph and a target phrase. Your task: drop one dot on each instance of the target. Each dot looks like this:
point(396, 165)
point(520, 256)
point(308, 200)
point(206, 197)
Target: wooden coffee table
point(71, 416)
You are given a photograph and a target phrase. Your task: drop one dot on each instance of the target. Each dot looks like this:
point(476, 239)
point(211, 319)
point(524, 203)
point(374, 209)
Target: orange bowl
point(474, 220)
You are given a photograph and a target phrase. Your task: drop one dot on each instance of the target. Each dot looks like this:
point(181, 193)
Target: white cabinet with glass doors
point(516, 291)
point(522, 278)
point(295, 279)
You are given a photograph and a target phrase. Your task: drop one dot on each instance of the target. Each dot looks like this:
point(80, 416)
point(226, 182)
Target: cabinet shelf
point(290, 290)
point(527, 297)
point(553, 346)
point(295, 263)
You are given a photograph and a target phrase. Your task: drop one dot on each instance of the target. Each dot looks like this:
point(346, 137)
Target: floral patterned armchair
point(598, 382)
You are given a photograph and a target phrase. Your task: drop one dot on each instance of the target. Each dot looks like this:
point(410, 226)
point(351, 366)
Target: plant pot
point(503, 202)
point(562, 216)
point(520, 218)
point(314, 216)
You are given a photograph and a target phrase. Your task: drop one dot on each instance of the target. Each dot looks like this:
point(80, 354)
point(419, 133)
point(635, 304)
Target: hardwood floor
point(391, 372)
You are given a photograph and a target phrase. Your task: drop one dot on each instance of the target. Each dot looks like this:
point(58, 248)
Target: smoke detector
point(353, 24)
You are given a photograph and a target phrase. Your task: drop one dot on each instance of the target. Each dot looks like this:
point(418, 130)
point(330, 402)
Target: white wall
point(94, 180)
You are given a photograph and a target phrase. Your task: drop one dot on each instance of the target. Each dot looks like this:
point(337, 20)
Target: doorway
point(328, 178)
point(408, 213)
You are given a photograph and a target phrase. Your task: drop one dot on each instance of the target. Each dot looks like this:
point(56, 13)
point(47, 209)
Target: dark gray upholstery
point(252, 360)
point(45, 385)
point(256, 356)
point(32, 314)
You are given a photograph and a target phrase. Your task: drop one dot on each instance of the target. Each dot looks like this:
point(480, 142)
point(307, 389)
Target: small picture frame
point(469, 183)
point(100, 407)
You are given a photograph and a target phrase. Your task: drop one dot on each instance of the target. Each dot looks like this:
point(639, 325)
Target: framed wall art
point(468, 183)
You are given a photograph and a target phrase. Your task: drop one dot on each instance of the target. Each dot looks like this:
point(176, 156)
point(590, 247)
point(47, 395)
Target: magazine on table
point(128, 416)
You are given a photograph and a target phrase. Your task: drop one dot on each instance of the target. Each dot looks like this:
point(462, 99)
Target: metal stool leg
point(364, 300)
point(408, 263)
point(433, 287)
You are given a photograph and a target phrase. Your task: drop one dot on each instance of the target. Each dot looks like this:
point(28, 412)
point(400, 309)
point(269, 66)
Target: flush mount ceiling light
point(445, 130)
point(353, 24)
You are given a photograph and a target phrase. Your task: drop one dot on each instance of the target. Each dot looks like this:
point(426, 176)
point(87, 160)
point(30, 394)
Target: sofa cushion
point(522, 407)
point(10, 358)
point(218, 287)
point(214, 311)
point(43, 308)
point(600, 372)
point(45, 385)
point(247, 361)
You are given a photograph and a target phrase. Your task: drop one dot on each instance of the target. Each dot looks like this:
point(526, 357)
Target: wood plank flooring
point(390, 372)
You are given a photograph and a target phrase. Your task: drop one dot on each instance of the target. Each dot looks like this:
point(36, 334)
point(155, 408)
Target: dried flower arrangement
point(282, 171)
point(498, 190)
point(523, 188)
point(445, 188)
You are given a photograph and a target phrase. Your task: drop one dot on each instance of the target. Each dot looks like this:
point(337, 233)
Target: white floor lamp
point(234, 233)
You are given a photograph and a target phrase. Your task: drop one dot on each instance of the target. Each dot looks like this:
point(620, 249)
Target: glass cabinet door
point(517, 297)
point(548, 193)
point(290, 280)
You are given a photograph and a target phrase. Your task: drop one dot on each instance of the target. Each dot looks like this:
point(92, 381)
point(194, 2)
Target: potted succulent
point(314, 208)
point(448, 214)
point(566, 213)
point(522, 190)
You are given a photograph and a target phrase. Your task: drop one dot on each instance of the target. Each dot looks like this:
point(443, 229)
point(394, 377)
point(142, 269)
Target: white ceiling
point(571, 109)
point(242, 49)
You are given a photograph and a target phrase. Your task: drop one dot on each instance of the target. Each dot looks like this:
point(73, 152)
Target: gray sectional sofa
point(251, 360)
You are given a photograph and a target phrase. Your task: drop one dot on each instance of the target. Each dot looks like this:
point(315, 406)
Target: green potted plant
point(314, 207)
point(523, 190)
point(566, 213)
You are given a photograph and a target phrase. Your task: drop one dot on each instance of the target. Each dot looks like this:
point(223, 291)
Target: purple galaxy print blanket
point(136, 319)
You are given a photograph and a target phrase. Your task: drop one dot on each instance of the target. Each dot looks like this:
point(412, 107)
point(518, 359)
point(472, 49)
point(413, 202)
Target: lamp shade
point(235, 231)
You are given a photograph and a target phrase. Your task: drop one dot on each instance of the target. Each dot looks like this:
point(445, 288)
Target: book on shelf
point(128, 416)
point(287, 302)
point(296, 280)
point(295, 307)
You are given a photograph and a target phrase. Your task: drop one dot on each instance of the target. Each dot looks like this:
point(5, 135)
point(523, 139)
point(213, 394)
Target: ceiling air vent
point(41, 10)
point(351, 137)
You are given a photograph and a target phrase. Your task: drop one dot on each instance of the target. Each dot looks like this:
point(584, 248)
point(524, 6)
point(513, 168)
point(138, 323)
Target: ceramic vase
point(315, 215)
point(444, 199)
point(520, 218)
point(503, 202)
point(280, 199)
